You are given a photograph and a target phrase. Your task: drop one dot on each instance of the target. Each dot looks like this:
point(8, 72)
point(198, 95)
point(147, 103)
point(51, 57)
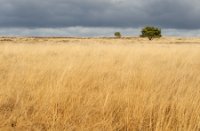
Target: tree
point(151, 32)
point(118, 34)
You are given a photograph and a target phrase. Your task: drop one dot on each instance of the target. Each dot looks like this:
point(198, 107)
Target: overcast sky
point(98, 17)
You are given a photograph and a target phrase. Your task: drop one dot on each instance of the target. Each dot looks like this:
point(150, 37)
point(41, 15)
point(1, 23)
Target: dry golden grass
point(99, 84)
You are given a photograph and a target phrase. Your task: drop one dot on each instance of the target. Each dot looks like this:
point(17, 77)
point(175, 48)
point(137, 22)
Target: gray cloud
point(178, 14)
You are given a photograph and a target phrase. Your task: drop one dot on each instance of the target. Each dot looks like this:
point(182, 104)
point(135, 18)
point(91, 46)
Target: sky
point(98, 17)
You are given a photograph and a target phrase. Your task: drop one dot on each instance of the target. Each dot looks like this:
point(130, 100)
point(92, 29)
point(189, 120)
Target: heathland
point(100, 84)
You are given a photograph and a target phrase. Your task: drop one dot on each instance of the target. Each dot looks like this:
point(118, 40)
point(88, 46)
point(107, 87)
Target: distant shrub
point(151, 32)
point(6, 40)
point(117, 34)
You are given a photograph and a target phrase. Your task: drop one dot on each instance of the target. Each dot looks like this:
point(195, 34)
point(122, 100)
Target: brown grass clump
point(92, 86)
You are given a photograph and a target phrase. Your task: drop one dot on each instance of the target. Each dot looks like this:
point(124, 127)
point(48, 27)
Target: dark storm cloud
point(182, 14)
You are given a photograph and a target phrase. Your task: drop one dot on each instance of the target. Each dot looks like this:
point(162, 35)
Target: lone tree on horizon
point(151, 32)
point(118, 35)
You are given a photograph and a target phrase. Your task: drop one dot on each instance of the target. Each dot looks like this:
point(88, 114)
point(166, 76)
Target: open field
point(76, 84)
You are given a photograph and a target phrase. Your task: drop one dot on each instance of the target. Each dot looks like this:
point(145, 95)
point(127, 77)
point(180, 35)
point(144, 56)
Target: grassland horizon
point(99, 84)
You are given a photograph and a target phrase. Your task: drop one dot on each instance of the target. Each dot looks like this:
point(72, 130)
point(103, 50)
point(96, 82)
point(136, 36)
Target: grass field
point(99, 84)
